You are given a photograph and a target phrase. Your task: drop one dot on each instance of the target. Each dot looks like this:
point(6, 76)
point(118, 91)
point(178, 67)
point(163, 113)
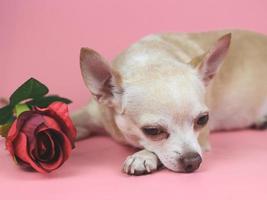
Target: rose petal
point(31, 123)
point(42, 127)
point(18, 125)
point(59, 160)
point(61, 111)
point(51, 123)
point(20, 150)
point(63, 149)
point(47, 142)
point(63, 140)
point(12, 134)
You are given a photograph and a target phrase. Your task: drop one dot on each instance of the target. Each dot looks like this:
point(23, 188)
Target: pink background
point(42, 39)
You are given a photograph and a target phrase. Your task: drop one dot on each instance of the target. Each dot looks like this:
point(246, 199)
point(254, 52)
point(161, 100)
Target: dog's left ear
point(214, 58)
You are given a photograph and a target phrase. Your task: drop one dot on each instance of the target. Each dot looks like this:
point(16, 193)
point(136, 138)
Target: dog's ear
point(98, 76)
point(213, 59)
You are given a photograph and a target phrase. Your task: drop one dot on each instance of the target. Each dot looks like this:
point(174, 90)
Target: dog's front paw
point(142, 162)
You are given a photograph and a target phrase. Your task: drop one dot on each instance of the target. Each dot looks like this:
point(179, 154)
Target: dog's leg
point(141, 162)
point(87, 120)
point(203, 139)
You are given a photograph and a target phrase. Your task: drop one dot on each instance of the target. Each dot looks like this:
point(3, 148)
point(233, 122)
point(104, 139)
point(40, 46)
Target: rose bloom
point(42, 138)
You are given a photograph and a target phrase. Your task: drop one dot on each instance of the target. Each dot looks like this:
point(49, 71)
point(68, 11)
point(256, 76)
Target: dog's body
point(166, 78)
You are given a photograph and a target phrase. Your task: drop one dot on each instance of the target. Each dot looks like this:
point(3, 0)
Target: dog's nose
point(190, 161)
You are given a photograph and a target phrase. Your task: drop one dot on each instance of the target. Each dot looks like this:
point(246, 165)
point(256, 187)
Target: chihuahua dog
point(165, 93)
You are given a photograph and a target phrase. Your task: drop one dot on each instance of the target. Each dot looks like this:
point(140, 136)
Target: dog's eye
point(155, 133)
point(151, 131)
point(202, 120)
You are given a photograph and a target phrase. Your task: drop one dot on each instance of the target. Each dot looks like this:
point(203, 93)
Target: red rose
point(42, 137)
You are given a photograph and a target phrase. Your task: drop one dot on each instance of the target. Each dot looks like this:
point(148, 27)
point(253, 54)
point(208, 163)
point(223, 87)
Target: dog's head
point(159, 104)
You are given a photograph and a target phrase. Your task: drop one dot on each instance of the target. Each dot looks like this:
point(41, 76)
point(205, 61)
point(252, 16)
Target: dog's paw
point(142, 162)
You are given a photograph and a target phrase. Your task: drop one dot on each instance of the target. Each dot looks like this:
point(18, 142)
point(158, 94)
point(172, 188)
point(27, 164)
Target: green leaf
point(6, 114)
point(31, 89)
point(4, 129)
point(47, 100)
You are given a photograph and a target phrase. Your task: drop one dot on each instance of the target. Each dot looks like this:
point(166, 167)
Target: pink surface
point(42, 39)
point(235, 169)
